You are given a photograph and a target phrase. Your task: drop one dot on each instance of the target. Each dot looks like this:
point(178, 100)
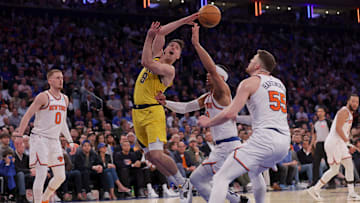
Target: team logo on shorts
point(60, 158)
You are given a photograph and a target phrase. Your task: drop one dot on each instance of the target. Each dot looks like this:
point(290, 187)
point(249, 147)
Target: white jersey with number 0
point(267, 106)
point(222, 131)
point(49, 119)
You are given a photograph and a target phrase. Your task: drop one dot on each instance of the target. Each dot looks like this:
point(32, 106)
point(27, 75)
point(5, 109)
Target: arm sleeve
point(243, 119)
point(183, 107)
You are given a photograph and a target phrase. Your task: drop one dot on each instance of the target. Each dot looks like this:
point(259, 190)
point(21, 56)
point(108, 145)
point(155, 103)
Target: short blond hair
point(51, 72)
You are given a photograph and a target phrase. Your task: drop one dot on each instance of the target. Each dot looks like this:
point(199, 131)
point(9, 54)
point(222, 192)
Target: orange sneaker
point(47, 201)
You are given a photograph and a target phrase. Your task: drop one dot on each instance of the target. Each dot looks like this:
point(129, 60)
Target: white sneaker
point(186, 192)
point(170, 193)
point(89, 196)
point(315, 194)
point(152, 194)
point(106, 196)
point(353, 197)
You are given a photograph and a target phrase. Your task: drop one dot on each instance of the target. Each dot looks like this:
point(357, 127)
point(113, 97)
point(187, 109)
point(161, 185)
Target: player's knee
point(60, 177)
point(220, 179)
point(155, 156)
point(193, 179)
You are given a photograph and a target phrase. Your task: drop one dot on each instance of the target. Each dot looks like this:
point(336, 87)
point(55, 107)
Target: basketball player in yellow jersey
point(148, 115)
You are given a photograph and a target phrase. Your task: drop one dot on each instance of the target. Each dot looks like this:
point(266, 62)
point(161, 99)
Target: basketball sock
point(334, 169)
point(178, 178)
point(200, 179)
point(259, 187)
point(55, 182)
point(38, 186)
point(349, 174)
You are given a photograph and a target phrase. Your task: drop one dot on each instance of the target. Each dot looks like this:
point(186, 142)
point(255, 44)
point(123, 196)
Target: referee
point(319, 134)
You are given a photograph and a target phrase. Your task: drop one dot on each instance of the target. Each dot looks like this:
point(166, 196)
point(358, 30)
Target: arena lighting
point(91, 1)
point(267, 7)
point(203, 2)
point(223, 4)
point(278, 7)
point(256, 9)
point(84, 1)
point(146, 3)
point(212, 3)
point(289, 8)
point(326, 12)
point(309, 13)
point(182, 1)
point(358, 14)
point(260, 9)
point(338, 12)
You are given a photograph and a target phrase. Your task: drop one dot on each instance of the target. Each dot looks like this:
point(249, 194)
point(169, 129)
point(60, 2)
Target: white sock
point(351, 188)
point(178, 179)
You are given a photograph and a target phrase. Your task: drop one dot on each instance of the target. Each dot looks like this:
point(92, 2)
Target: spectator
point(5, 143)
point(110, 171)
point(15, 118)
point(305, 158)
point(208, 145)
point(24, 176)
point(7, 170)
point(128, 166)
point(196, 155)
point(185, 160)
point(90, 167)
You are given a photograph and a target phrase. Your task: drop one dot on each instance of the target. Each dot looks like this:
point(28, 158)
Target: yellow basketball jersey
point(147, 87)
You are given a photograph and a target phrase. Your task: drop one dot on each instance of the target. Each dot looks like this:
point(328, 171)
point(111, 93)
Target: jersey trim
point(44, 107)
point(54, 95)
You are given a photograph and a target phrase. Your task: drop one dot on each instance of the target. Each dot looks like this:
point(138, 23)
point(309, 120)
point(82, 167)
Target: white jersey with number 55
point(267, 106)
point(49, 119)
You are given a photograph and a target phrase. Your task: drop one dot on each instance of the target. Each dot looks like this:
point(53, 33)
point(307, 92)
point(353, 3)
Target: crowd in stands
point(100, 60)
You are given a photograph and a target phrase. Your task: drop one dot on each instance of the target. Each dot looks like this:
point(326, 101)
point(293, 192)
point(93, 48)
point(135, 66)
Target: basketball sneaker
point(186, 192)
point(315, 194)
point(353, 197)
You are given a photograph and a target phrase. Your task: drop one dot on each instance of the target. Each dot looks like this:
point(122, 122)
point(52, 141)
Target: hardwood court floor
point(338, 195)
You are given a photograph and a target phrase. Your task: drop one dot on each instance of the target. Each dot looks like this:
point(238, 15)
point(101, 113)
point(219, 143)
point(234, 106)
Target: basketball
point(210, 16)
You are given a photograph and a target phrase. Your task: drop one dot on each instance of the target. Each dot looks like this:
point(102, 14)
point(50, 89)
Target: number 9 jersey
point(267, 106)
point(147, 86)
point(49, 119)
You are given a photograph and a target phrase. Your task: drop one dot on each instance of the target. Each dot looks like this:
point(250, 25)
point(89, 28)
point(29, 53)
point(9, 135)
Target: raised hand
point(195, 34)
point(160, 97)
point(154, 29)
point(190, 19)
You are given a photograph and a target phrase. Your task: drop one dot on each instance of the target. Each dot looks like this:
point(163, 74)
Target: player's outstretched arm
point(147, 61)
point(39, 101)
point(181, 107)
point(220, 86)
point(245, 89)
point(159, 41)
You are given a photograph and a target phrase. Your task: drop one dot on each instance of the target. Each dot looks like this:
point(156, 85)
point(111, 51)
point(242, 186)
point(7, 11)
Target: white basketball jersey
point(49, 119)
point(222, 131)
point(346, 128)
point(267, 106)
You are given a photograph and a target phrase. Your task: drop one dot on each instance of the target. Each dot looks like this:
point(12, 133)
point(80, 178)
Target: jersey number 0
point(58, 118)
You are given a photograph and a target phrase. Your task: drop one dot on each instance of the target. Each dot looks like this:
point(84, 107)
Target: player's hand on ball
point(160, 97)
point(195, 34)
point(154, 29)
point(190, 19)
point(204, 121)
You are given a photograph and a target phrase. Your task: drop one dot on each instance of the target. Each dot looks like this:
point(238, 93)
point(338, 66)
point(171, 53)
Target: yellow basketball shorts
point(150, 124)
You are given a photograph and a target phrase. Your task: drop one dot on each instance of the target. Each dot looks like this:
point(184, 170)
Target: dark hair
point(352, 95)
point(5, 135)
point(267, 59)
point(7, 152)
point(179, 41)
point(321, 107)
